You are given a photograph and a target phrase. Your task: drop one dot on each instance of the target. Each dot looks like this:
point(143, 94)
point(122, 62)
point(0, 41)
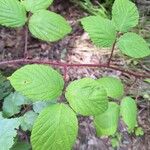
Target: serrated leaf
point(21, 146)
point(113, 86)
point(8, 130)
point(87, 97)
point(124, 15)
point(12, 13)
point(101, 30)
point(133, 45)
point(28, 120)
point(48, 26)
point(128, 110)
point(36, 5)
point(106, 123)
point(12, 103)
point(55, 129)
point(37, 82)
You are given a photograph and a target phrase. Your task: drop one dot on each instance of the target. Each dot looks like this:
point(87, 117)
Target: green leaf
point(12, 13)
point(113, 86)
point(36, 5)
point(101, 30)
point(21, 146)
point(28, 120)
point(5, 87)
point(128, 112)
point(12, 103)
point(87, 97)
point(1, 115)
point(133, 45)
point(55, 129)
point(8, 132)
point(48, 26)
point(139, 131)
point(106, 123)
point(147, 80)
point(37, 82)
point(40, 105)
point(124, 15)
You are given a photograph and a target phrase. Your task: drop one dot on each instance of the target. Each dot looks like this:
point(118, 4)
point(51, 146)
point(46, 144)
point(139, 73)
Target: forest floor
point(77, 48)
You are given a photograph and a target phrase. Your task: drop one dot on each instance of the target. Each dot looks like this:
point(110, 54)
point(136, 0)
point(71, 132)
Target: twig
point(66, 65)
point(26, 43)
point(112, 51)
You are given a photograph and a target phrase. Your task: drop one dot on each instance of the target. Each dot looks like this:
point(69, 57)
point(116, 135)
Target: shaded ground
point(77, 48)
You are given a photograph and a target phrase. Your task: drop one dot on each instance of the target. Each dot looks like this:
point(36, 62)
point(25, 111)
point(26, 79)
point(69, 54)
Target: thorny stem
point(67, 65)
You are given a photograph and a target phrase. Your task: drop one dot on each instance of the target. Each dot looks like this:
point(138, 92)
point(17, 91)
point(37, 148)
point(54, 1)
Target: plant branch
point(67, 65)
point(26, 43)
point(112, 51)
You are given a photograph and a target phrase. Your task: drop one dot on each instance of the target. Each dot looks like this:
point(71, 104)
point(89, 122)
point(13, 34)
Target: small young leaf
point(124, 15)
point(128, 112)
point(106, 123)
point(37, 82)
point(139, 131)
point(36, 5)
point(133, 45)
point(28, 120)
point(12, 13)
point(101, 31)
point(8, 130)
point(113, 86)
point(48, 26)
point(87, 97)
point(56, 128)
point(12, 103)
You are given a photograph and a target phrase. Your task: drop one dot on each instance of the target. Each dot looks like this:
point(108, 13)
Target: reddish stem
point(66, 65)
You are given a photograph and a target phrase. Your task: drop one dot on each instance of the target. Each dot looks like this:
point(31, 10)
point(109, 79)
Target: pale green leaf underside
point(106, 123)
point(101, 31)
point(124, 15)
point(128, 112)
point(48, 26)
point(113, 86)
point(37, 82)
point(12, 13)
point(36, 5)
point(133, 45)
point(8, 132)
point(55, 129)
point(87, 97)
point(12, 104)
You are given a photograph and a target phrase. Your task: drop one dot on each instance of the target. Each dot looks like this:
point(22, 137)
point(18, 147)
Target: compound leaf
point(113, 86)
point(101, 30)
point(12, 13)
point(36, 5)
point(37, 82)
point(8, 130)
point(48, 26)
point(133, 45)
point(128, 112)
point(106, 123)
point(124, 15)
point(56, 128)
point(87, 97)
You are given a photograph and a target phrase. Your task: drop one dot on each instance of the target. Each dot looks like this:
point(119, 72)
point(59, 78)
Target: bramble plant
point(43, 24)
point(54, 125)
